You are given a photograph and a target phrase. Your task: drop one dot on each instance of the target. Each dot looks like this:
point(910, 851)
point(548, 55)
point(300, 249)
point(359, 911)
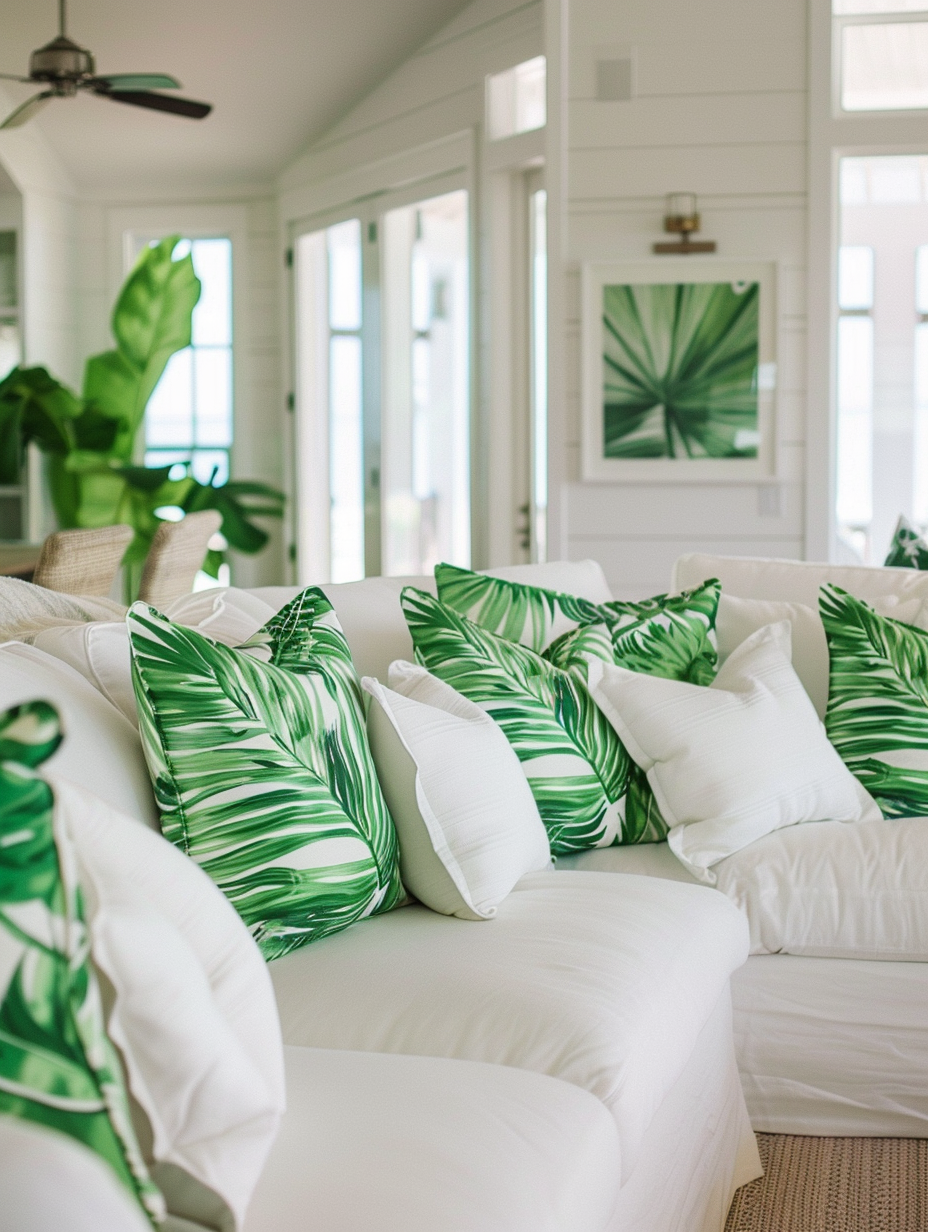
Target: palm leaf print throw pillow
point(877, 716)
point(670, 635)
point(58, 1067)
point(579, 772)
point(908, 549)
point(262, 769)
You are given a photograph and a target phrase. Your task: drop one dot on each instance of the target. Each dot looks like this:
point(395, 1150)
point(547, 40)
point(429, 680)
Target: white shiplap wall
point(720, 110)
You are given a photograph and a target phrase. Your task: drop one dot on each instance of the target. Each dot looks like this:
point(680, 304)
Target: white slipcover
point(50, 1182)
point(101, 750)
point(369, 611)
point(424, 1144)
point(796, 581)
point(604, 981)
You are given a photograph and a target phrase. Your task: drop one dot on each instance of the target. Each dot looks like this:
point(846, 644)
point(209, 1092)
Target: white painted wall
point(720, 110)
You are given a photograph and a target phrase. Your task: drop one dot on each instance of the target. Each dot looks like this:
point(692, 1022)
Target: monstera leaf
point(680, 370)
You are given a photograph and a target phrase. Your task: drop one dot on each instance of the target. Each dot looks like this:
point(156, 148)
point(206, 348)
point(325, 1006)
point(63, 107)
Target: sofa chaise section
point(603, 981)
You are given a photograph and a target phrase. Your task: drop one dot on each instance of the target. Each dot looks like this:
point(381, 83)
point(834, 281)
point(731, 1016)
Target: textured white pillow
point(467, 822)
point(734, 761)
point(738, 618)
point(101, 751)
point(835, 891)
point(194, 1014)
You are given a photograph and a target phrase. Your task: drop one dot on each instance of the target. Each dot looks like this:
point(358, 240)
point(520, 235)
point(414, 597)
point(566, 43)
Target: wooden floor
point(835, 1185)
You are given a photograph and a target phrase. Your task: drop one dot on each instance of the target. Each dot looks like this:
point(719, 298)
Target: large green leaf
point(680, 370)
point(262, 770)
point(877, 716)
point(57, 1066)
point(575, 764)
point(151, 320)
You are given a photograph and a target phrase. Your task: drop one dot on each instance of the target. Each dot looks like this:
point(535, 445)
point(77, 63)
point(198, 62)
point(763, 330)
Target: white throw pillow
point(734, 761)
point(467, 822)
point(738, 618)
point(194, 1014)
point(102, 751)
point(835, 891)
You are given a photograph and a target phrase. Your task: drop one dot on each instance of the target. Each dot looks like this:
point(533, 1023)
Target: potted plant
point(91, 442)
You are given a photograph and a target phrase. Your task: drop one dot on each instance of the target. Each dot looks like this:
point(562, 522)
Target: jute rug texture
point(835, 1185)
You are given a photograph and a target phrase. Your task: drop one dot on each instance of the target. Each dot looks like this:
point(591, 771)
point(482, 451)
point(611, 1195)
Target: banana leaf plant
point(91, 441)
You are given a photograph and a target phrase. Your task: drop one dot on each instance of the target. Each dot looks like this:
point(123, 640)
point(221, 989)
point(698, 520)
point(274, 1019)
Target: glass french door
point(383, 391)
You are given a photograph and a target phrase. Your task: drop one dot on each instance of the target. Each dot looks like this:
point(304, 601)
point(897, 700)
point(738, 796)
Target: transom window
point(882, 52)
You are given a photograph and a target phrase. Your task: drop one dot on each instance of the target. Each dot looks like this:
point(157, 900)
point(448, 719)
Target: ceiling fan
point(64, 68)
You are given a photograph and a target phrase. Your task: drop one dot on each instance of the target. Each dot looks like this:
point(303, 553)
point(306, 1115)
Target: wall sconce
point(681, 217)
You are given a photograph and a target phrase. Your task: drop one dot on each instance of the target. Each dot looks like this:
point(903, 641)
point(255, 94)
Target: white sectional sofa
point(568, 1065)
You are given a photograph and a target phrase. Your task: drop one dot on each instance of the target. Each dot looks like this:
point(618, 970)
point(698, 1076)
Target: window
point(516, 99)
point(426, 414)
point(855, 396)
point(330, 350)
point(882, 50)
point(346, 460)
point(882, 350)
point(189, 416)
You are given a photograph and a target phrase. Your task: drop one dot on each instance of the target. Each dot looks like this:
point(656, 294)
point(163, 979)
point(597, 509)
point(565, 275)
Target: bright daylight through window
point(189, 417)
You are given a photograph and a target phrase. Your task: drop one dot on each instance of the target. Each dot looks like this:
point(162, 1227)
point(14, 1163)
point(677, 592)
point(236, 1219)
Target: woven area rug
point(835, 1185)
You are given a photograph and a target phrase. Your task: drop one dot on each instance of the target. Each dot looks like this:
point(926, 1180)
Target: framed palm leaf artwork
point(679, 371)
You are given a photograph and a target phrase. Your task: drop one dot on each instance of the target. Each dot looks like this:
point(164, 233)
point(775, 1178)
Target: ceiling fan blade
point(27, 110)
point(138, 81)
point(159, 102)
point(26, 81)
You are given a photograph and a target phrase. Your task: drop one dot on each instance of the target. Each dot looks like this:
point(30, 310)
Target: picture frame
point(701, 328)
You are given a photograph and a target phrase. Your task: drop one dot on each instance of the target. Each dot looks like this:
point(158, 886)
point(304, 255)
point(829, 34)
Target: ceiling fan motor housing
point(61, 63)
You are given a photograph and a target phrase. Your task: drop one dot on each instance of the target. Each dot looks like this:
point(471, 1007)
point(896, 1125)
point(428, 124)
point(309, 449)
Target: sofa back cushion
point(369, 611)
point(797, 581)
point(101, 750)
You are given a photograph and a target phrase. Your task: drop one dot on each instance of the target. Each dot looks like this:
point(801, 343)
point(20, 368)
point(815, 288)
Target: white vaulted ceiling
point(278, 72)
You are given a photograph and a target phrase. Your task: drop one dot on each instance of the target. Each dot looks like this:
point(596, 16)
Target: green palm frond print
point(57, 1065)
point(908, 549)
point(877, 716)
point(575, 764)
point(530, 615)
point(670, 635)
point(667, 635)
point(262, 770)
point(680, 370)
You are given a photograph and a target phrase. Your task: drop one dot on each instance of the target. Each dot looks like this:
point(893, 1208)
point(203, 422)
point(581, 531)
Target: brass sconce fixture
point(681, 218)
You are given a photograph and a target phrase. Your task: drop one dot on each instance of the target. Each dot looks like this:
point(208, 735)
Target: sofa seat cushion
point(430, 1145)
point(600, 980)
